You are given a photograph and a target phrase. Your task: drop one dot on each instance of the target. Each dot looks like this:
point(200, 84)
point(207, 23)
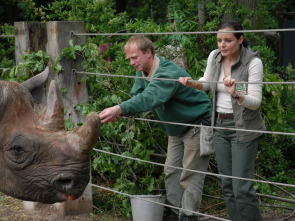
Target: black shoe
point(183, 217)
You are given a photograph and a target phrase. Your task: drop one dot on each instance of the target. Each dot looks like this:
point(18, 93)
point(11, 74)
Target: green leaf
point(57, 59)
point(63, 90)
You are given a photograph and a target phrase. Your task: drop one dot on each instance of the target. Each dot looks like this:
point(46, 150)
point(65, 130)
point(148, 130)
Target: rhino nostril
point(64, 183)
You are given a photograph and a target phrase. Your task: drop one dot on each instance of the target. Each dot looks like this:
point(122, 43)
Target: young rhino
point(39, 160)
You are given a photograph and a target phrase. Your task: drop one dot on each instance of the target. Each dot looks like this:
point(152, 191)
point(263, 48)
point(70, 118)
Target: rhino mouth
point(62, 188)
point(65, 197)
point(55, 196)
point(69, 187)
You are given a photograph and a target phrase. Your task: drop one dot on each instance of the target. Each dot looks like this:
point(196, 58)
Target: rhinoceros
point(39, 160)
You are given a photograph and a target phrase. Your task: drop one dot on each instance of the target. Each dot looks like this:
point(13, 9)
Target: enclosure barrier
point(212, 174)
point(7, 36)
point(182, 33)
point(192, 125)
point(167, 79)
point(197, 171)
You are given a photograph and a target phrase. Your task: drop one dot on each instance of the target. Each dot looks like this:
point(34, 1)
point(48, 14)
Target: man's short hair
point(142, 42)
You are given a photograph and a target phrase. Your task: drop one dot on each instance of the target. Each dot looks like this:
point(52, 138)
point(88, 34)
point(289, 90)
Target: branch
point(280, 188)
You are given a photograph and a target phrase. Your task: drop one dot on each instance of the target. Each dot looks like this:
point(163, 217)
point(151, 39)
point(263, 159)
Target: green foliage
point(275, 148)
point(6, 48)
point(69, 125)
point(57, 67)
point(140, 139)
point(98, 15)
point(31, 64)
point(145, 10)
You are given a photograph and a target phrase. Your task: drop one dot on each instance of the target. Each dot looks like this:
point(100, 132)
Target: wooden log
point(31, 37)
point(59, 35)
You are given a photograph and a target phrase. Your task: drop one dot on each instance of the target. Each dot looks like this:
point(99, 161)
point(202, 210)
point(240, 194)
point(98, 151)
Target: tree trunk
point(201, 12)
point(249, 4)
point(151, 10)
point(121, 5)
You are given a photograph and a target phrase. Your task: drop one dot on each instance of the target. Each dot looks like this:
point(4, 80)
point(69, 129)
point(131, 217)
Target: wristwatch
point(238, 95)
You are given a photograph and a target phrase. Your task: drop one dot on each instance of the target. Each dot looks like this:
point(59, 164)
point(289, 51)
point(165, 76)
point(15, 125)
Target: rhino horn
point(52, 116)
point(37, 80)
point(84, 138)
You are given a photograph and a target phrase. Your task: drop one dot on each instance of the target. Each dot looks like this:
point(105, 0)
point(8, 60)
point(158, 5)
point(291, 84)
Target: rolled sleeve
point(254, 96)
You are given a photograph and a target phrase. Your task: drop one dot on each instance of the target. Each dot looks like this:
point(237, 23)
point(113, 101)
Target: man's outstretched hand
point(111, 114)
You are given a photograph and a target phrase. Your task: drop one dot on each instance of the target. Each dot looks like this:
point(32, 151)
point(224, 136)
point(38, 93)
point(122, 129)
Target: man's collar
point(155, 66)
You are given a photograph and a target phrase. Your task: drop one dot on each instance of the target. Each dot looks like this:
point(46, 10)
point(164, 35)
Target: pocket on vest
point(250, 114)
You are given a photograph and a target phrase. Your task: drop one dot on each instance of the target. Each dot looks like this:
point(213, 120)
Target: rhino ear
point(37, 80)
point(34, 85)
point(52, 117)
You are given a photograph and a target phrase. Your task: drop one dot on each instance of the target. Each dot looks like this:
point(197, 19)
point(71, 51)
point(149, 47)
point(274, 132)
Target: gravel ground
point(12, 209)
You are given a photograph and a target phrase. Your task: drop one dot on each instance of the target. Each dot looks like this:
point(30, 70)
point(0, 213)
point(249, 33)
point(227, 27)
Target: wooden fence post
point(53, 37)
point(59, 35)
point(31, 37)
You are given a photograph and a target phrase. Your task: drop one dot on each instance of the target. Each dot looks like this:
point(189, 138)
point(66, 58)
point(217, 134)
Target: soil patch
point(12, 209)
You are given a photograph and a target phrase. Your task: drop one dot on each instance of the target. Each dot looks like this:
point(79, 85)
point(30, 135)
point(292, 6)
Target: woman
point(235, 106)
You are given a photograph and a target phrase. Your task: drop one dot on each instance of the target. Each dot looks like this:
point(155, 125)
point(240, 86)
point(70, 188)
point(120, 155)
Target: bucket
point(146, 211)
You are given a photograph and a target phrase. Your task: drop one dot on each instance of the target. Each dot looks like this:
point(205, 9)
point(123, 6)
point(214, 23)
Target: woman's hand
point(185, 81)
point(230, 86)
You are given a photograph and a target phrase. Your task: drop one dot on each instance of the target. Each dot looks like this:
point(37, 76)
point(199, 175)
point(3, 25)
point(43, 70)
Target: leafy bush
point(6, 48)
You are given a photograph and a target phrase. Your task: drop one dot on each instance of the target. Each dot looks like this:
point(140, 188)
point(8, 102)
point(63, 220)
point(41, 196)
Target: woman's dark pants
point(237, 159)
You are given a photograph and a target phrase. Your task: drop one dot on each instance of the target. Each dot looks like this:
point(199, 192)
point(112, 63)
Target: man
point(169, 101)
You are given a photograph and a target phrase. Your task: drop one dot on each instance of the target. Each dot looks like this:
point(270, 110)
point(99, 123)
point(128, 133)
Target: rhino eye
point(17, 150)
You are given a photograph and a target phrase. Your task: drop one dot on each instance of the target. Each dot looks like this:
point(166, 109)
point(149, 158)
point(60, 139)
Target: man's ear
point(148, 53)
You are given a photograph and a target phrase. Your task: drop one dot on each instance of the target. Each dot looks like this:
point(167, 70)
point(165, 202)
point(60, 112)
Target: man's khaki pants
point(184, 188)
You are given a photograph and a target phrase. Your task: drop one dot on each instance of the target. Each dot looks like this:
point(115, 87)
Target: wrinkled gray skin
point(39, 160)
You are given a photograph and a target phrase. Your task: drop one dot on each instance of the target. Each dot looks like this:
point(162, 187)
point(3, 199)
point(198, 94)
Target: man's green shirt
point(169, 100)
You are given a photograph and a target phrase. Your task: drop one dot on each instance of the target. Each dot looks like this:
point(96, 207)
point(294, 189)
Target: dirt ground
point(12, 209)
